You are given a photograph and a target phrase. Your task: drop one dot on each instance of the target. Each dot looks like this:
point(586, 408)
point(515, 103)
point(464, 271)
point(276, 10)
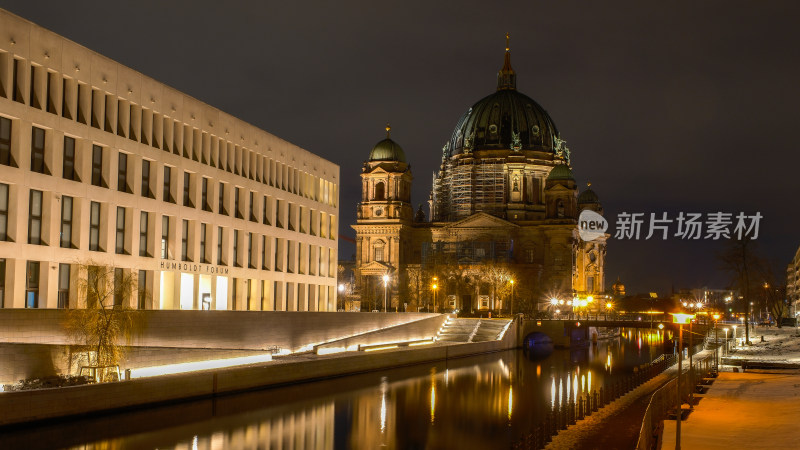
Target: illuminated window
point(94, 227)
point(35, 218)
point(66, 222)
point(119, 248)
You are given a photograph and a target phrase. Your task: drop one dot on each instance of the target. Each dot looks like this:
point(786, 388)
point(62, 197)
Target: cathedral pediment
point(375, 268)
point(480, 220)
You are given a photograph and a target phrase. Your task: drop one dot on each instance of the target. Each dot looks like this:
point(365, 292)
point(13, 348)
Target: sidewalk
point(743, 410)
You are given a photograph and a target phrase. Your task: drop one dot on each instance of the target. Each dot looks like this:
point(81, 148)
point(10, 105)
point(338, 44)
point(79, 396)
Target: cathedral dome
point(588, 196)
point(506, 119)
point(387, 150)
point(560, 172)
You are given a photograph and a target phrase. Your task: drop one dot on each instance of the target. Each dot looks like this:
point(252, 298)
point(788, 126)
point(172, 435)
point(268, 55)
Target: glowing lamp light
point(385, 279)
point(609, 305)
point(715, 316)
point(661, 326)
point(589, 299)
point(682, 318)
point(553, 301)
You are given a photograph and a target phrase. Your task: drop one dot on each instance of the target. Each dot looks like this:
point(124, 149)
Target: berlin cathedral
point(501, 229)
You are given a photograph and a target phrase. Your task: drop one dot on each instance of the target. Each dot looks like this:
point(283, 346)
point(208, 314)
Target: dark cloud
point(666, 106)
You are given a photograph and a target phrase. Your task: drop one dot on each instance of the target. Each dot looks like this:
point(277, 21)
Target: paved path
point(743, 410)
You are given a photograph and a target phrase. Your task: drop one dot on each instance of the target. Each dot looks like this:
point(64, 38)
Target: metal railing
point(663, 402)
point(569, 411)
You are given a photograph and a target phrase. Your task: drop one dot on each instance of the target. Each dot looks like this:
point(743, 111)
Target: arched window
point(379, 251)
point(560, 208)
point(380, 191)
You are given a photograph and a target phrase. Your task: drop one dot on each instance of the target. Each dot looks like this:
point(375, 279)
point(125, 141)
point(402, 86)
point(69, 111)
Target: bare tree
point(739, 259)
point(102, 318)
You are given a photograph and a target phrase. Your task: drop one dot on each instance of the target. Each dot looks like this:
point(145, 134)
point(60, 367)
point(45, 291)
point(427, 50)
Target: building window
point(253, 207)
point(167, 193)
point(68, 170)
point(97, 166)
point(379, 253)
point(63, 286)
point(265, 218)
point(37, 151)
point(220, 261)
point(185, 241)
point(236, 205)
point(143, 238)
point(206, 205)
point(5, 143)
point(122, 174)
point(234, 292)
point(120, 240)
point(250, 256)
point(142, 291)
point(165, 237)
point(187, 193)
point(221, 207)
point(3, 212)
point(35, 218)
point(203, 233)
point(380, 191)
point(264, 259)
point(66, 222)
point(32, 285)
point(146, 191)
point(94, 227)
point(119, 287)
point(236, 249)
point(2, 283)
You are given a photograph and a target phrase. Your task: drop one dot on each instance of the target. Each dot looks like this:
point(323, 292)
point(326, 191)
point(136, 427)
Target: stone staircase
point(472, 330)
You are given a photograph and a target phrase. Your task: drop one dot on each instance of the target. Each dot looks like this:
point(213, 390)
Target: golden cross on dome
point(508, 41)
point(388, 129)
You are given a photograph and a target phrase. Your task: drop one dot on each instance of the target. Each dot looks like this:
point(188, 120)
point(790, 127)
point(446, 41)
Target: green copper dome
point(560, 172)
point(387, 150)
point(588, 196)
point(504, 120)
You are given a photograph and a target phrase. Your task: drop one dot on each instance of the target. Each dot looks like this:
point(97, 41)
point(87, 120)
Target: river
point(481, 402)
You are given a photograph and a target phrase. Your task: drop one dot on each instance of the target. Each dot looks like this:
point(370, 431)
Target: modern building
point(102, 166)
point(793, 283)
point(502, 221)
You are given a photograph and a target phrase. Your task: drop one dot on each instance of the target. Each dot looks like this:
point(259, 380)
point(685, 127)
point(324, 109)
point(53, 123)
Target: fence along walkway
point(626, 419)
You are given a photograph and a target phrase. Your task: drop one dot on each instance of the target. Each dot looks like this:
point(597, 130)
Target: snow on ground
point(780, 345)
point(742, 410)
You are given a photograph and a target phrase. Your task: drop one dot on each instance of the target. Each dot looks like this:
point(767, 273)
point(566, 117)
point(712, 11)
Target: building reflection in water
point(470, 403)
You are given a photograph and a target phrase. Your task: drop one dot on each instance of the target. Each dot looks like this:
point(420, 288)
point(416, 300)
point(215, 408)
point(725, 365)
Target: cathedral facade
point(501, 232)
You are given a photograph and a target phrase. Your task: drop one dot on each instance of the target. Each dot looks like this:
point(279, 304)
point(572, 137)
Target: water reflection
point(471, 403)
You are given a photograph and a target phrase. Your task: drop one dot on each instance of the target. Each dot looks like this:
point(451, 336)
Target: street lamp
point(716, 343)
point(434, 287)
point(726, 342)
point(512, 297)
point(680, 319)
point(609, 305)
point(385, 291)
point(341, 293)
point(734, 336)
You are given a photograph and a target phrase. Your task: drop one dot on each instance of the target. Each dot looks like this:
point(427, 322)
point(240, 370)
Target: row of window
point(74, 100)
point(290, 256)
point(270, 211)
point(273, 294)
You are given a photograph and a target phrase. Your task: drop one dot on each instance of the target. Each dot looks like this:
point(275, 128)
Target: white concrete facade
point(100, 164)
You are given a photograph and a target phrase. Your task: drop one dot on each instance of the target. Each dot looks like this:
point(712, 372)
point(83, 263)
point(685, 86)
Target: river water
point(482, 402)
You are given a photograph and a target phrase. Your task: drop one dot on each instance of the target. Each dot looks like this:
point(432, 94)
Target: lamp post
point(726, 343)
point(734, 335)
point(680, 319)
point(385, 291)
point(434, 287)
point(716, 344)
point(512, 297)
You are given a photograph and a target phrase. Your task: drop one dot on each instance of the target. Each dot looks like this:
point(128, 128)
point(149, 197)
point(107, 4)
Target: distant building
point(100, 164)
point(793, 282)
point(502, 216)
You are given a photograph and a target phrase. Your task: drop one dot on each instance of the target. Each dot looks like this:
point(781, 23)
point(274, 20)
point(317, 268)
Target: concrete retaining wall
point(419, 330)
point(25, 406)
point(250, 330)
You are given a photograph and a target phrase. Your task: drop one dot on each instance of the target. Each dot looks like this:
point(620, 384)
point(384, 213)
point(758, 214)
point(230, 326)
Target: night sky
point(666, 106)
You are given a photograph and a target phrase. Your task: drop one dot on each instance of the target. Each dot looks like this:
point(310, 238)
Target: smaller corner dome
point(387, 150)
point(560, 172)
point(588, 196)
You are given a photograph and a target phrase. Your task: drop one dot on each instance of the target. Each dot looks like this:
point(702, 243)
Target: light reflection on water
point(479, 402)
